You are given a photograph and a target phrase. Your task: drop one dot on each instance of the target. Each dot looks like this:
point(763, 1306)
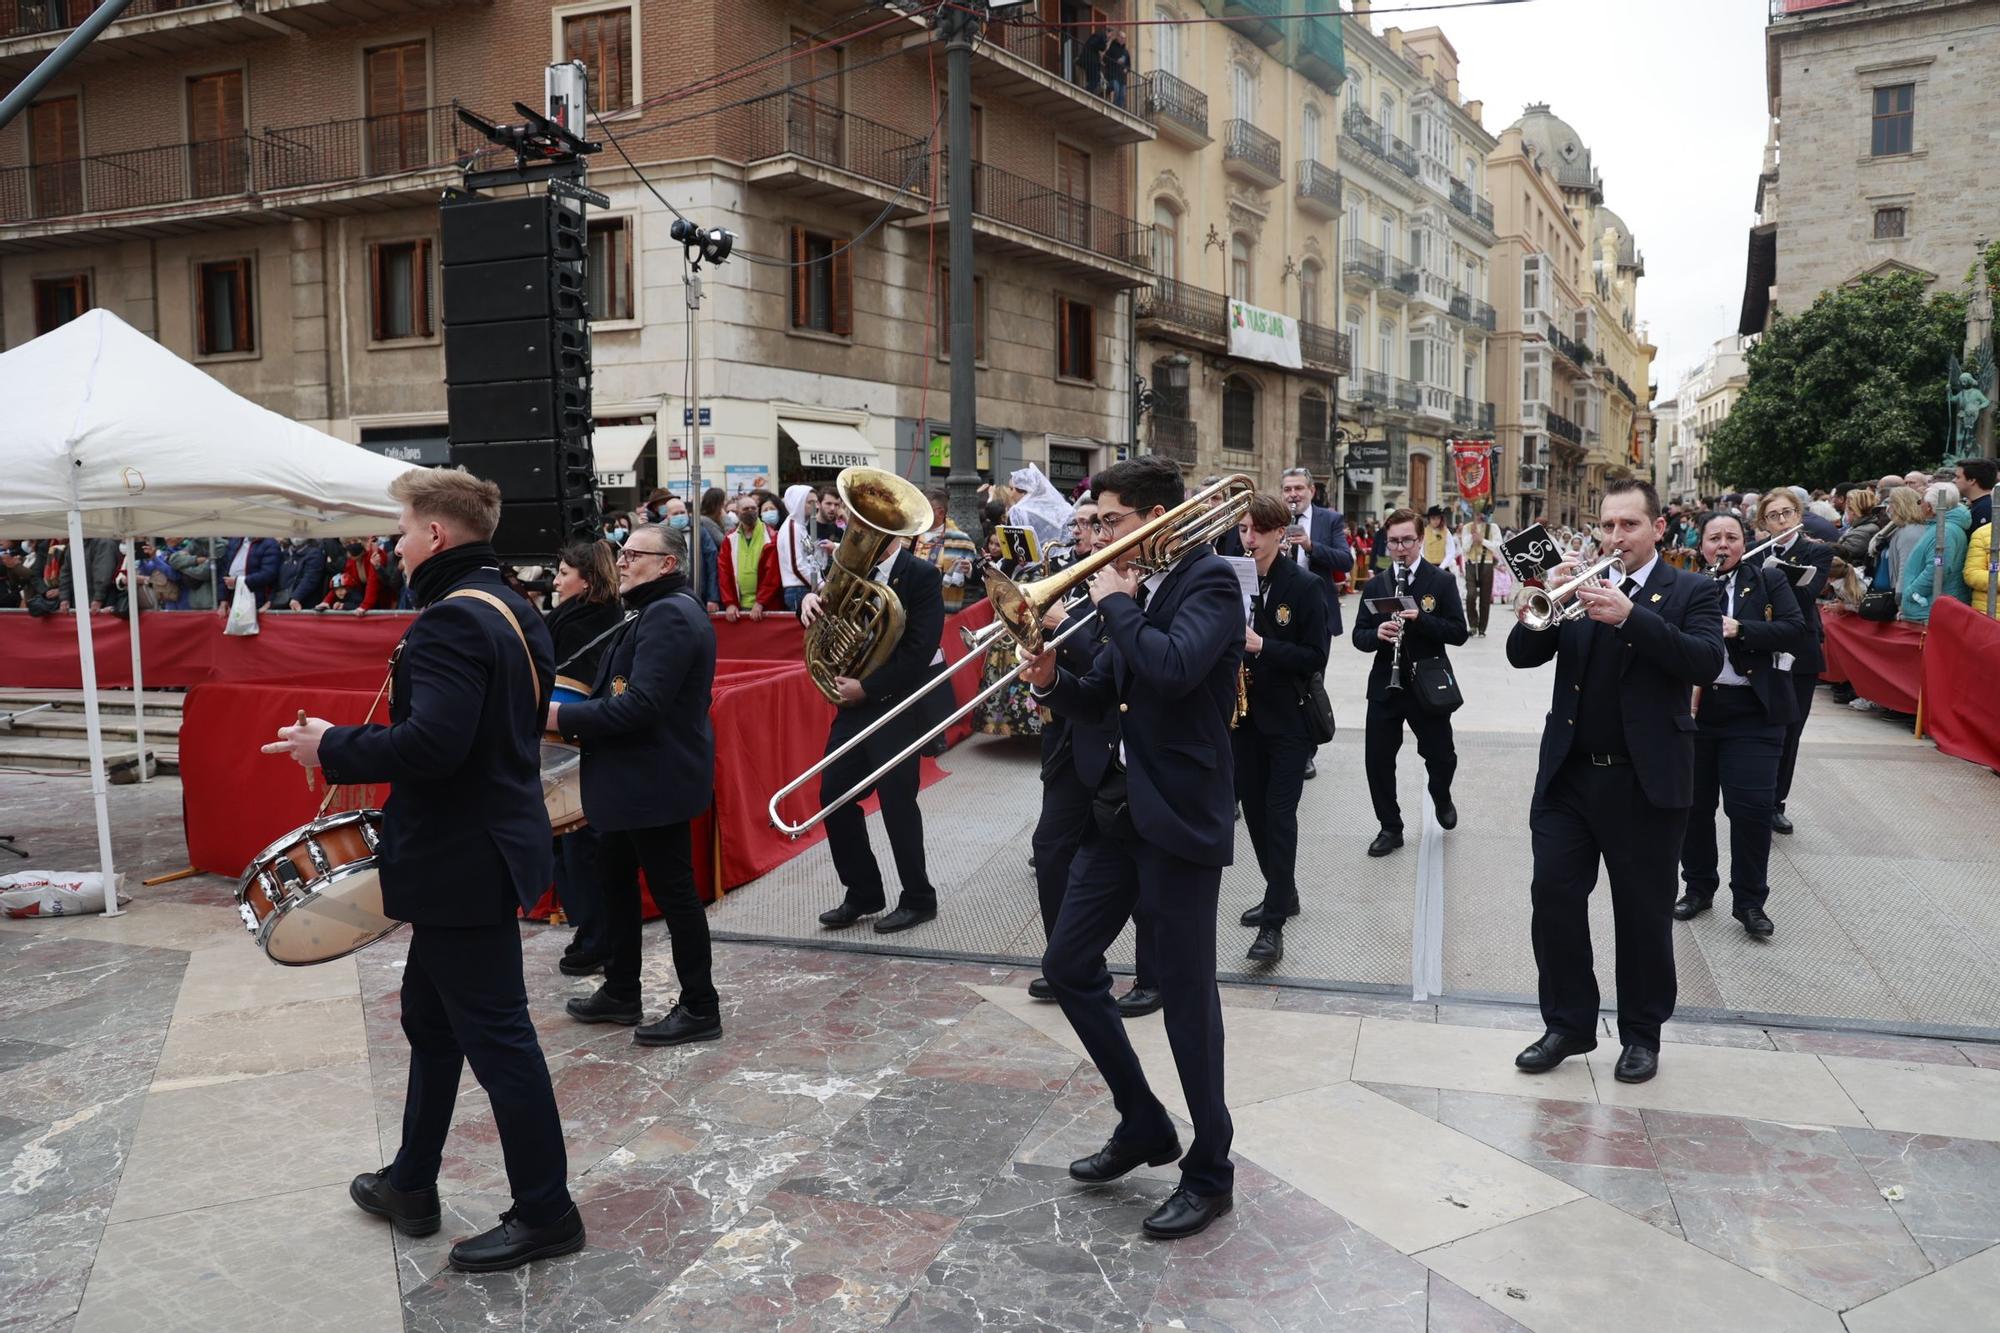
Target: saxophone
point(859, 619)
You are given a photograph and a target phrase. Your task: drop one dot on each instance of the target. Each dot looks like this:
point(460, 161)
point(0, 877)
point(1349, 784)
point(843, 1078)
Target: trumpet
point(1546, 608)
point(1157, 544)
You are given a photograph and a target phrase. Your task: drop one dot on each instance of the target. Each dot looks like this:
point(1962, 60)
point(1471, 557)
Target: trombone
point(1018, 608)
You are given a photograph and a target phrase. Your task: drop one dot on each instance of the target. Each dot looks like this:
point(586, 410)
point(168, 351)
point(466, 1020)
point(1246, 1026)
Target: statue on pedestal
point(1969, 385)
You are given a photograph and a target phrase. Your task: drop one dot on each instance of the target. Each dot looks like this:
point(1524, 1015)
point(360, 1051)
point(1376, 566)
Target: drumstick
point(309, 773)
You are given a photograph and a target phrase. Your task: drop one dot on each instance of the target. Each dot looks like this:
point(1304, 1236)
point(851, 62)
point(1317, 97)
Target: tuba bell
point(859, 619)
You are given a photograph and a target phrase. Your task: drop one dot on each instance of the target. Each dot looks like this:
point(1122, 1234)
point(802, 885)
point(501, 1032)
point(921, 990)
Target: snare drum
point(315, 894)
point(568, 690)
point(562, 786)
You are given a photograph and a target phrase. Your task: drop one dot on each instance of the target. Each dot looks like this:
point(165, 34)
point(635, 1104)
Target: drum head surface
point(345, 914)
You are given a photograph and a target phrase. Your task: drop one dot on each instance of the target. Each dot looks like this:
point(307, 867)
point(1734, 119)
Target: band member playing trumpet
point(1283, 648)
point(1778, 514)
point(1616, 778)
point(1742, 718)
point(648, 771)
point(1156, 757)
point(464, 848)
point(1398, 642)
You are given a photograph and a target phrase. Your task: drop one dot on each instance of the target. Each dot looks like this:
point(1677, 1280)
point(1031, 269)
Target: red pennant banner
point(1473, 459)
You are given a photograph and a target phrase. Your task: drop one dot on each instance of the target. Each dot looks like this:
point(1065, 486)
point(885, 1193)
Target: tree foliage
point(1852, 387)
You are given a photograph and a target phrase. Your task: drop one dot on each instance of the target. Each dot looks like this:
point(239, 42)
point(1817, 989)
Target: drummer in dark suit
point(648, 771)
point(1742, 718)
point(1283, 648)
point(464, 849)
point(587, 583)
point(919, 587)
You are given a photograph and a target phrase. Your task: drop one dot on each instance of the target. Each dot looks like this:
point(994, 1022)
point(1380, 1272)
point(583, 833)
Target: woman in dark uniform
point(587, 584)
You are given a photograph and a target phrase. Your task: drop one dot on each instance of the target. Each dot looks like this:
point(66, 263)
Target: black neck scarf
point(438, 575)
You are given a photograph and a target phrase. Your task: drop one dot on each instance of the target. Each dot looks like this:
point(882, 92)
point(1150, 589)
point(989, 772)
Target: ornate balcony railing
point(1321, 346)
point(1564, 429)
point(1362, 128)
point(1485, 316)
point(1471, 414)
point(1533, 476)
point(1363, 260)
point(1047, 211)
point(33, 17)
point(1319, 184)
point(1192, 309)
point(1568, 346)
point(801, 126)
point(1172, 437)
point(1169, 97)
point(1245, 143)
point(1385, 390)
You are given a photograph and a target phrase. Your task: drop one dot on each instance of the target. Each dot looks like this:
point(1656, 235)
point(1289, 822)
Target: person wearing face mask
point(799, 568)
point(680, 520)
point(748, 575)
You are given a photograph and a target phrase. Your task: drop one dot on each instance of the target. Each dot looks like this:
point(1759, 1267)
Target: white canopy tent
point(112, 435)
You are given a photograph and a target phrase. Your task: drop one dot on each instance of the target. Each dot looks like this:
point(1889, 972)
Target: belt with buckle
point(1607, 760)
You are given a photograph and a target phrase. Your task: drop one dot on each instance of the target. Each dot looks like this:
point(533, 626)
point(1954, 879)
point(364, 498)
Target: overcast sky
point(1669, 97)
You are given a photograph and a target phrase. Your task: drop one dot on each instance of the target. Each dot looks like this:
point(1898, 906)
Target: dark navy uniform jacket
point(1441, 624)
point(1292, 622)
point(1770, 623)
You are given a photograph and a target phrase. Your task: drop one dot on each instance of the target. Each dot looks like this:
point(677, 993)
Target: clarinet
point(1396, 655)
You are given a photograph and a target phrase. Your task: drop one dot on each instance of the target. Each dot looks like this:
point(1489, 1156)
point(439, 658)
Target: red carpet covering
point(182, 649)
point(1882, 660)
point(770, 725)
point(1959, 661)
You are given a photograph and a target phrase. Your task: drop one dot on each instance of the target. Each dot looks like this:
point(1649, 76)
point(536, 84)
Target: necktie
point(1631, 588)
point(1140, 595)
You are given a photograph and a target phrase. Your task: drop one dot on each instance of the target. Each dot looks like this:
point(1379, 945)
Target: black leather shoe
point(1692, 905)
point(903, 918)
point(414, 1213)
point(1385, 842)
point(1781, 822)
point(1552, 1050)
point(1636, 1065)
point(678, 1027)
point(1756, 923)
point(1312, 770)
point(514, 1243)
point(1253, 917)
point(846, 914)
point(1186, 1213)
point(1447, 814)
point(581, 965)
point(1115, 1159)
point(598, 1007)
point(1269, 946)
point(1040, 989)
point(1138, 1002)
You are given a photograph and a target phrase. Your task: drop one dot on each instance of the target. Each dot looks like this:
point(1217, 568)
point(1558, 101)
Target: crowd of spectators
point(202, 574)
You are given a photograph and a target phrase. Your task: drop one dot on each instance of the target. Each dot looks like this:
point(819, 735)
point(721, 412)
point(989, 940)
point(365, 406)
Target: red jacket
point(770, 588)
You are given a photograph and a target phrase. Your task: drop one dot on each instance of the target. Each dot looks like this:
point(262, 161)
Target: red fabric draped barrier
point(770, 726)
point(1963, 647)
point(1882, 660)
point(183, 649)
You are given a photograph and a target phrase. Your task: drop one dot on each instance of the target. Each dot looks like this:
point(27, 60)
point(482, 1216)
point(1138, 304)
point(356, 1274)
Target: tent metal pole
point(93, 723)
point(138, 675)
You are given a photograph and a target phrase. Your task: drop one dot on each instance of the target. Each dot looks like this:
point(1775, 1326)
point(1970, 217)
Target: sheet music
point(1246, 580)
point(1532, 552)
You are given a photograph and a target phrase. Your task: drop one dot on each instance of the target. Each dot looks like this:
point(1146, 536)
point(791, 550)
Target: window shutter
point(384, 81)
point(840, 295)
point(54, 125)
point(1087, 361)
point(377, 317)
point(1062, 336)
point(246, 338)
point(420, 288)
point(801, 279)
point(201, 323)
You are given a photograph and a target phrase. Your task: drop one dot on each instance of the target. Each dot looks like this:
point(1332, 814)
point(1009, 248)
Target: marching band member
point(1777, 512)
point(1156, 757)
point(464, 848)
point(1742, 718)
point(648, 771)
point(1423, 632)
point(1615, 780)
point(1283, 648)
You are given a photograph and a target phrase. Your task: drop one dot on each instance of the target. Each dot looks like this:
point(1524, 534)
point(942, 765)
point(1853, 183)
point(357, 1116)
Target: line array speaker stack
point(517, 363)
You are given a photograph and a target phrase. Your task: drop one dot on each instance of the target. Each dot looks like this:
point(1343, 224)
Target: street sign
point(1368, 453)
point(707, 416)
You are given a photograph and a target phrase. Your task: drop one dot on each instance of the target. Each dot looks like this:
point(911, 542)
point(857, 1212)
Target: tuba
point(859, 620)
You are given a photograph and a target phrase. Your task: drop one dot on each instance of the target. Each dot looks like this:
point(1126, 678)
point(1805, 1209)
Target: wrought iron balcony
point(1322, 56)
point(1363, 261)
point(1470, 414)
point(1359, 126)
point(1485, 316)
point(1177, 108)
point(1459, 303)
point(168, 29)
point(1192, 311)
point(1562, 428)
point(1172, 437)
point(1315, 455)
point(1533, 476)
point(1568, 347)
point(1319, 188)
point(1320, 346)
point(1250, 153)
point(1385, 390)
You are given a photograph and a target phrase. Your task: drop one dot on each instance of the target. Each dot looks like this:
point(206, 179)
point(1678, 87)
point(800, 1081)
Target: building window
point(1239, 415)
point(815, 123)
point(1309, 134)
point(602, 40)
point(822, 283)
point(1889, 223)
point(60, 300)
point(1243, 92)
point(944, 314)
point(224, 311)
point(1353, 328)
point(1895, 114)
point(1167, 37)
point(398, 91)
point(1385, 346)
point(55, 142)
point(1072, 195)
point(1170, 389)
point(218, 157)
point(399, 290)
point(1239, 267)
point(1309, 293)
point(1166, 241)
point(1531, 283)
point(1312, 415)
point(1417, 360)
point(610, 269)
point(1076, 340)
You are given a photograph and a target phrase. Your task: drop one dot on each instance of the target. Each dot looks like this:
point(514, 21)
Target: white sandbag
point(54, 893)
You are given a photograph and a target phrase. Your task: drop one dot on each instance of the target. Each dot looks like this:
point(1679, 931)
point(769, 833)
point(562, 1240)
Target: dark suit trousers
point(1385, 740)
point(1109, 881)
point(464, 1002)
point(847, 831)
point(1736, 756)
point(1803, 684)
point(1587, 813)
point(1478, 594)
point(1065, 818)
point(1270, 775)
point(580, 890)
point(666, 853)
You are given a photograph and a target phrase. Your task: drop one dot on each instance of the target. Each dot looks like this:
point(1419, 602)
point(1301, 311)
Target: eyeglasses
point(1406, 541)
point(630, 554)
point(1110, 522)
point(1781, 511)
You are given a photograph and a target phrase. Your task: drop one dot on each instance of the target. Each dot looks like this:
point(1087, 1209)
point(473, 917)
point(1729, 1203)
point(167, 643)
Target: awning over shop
point(615, 453)
point(827, 444)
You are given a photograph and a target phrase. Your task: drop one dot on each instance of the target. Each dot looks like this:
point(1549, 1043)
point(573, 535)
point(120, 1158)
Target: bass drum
point(315, 894)
point(562, 786)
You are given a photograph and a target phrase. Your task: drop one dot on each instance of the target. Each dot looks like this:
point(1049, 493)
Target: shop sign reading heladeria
point(1263, 335)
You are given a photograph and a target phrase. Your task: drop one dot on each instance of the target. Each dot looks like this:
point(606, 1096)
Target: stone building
point(259, 191)
point(1242, 194)
point(1706, 394)
point(1418, 265)
point(1882, 111)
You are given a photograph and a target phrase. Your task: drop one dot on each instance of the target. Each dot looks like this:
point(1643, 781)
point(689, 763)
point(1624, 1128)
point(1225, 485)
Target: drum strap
point(480, 594)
